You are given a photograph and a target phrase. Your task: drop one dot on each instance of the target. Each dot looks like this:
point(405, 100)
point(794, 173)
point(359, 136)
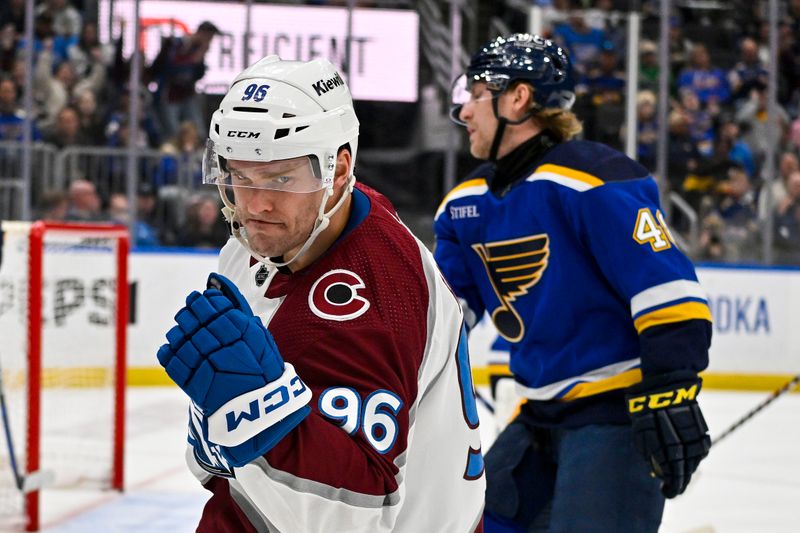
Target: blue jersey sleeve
point(623, 226)
point(450, 258)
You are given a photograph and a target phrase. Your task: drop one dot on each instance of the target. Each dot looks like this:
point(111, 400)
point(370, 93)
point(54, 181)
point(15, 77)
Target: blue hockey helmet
point(520, 57)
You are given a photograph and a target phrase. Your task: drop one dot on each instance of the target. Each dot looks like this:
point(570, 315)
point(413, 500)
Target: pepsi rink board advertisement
point(755, 314)
point(384, 42)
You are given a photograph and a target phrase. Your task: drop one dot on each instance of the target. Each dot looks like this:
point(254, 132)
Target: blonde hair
point(563, 124)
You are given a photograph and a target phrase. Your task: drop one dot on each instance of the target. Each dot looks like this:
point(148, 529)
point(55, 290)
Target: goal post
point(63, 317)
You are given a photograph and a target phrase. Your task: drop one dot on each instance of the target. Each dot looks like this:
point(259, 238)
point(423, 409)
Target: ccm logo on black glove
point(668, 427)
point(662, 399)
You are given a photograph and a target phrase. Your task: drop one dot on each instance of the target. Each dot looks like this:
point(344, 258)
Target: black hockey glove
point(669, 428)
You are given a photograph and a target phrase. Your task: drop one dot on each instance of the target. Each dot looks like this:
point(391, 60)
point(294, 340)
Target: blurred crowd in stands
point(81, 99)
point(717, 122)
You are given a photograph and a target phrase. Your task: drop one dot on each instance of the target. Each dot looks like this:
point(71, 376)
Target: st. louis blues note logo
point(514, 266)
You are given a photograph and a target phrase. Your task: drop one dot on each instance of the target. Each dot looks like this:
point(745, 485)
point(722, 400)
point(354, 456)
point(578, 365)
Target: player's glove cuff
point(251, 424)
point(660, 392)
point(247, 415)
point(263, 442)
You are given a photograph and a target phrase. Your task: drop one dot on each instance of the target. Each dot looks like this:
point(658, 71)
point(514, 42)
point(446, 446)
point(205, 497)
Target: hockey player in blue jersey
point(563, 243)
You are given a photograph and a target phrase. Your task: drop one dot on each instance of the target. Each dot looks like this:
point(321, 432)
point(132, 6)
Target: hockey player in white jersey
point(326, 363)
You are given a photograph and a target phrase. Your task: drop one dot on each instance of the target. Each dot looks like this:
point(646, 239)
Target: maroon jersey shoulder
point(376, 197)
point(371, 280)
point(356, 319)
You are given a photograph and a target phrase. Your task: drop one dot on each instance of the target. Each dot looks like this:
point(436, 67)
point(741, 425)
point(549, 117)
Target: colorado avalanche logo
point(334, 296)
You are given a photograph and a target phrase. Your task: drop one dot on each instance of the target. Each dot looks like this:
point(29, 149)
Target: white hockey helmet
point(293, 112)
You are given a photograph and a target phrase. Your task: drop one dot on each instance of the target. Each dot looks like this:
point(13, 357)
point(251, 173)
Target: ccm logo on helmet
point(244, 134)
point(334, 296)
point(323, 86)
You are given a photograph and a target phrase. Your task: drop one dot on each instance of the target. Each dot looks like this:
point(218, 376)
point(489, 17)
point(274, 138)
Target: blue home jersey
point(578, 271)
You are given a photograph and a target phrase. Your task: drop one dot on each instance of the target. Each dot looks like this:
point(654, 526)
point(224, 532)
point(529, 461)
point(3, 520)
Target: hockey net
point(63, 317)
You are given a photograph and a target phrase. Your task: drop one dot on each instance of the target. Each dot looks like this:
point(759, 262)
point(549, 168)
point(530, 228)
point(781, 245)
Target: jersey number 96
point(376, 416)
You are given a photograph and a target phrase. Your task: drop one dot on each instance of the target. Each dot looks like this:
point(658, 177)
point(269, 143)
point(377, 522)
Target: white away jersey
point(392, 442)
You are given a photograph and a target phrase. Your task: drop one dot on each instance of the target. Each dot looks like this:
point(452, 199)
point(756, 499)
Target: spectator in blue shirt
point(748, 73)
point(178, 66)
point(11, 117)
point(701, 123)
point(739, 152)
point(605, 86)
point(708, 82)
point(583, 43)
point(143, 233)
point(735, 207)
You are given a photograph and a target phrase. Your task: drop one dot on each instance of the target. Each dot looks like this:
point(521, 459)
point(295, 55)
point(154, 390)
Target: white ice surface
point(749, 483)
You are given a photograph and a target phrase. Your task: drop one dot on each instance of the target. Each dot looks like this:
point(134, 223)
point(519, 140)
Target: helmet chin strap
point(502, 122)
point(320, 225)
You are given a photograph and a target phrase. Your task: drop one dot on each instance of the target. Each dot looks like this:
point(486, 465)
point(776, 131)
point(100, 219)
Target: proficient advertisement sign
point(384, 43)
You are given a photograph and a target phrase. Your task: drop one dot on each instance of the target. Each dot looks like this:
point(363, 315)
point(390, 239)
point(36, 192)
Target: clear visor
point(464, 91)
point(299, 174)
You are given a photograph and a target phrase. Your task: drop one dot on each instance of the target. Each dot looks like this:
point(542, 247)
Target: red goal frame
point(36, 240)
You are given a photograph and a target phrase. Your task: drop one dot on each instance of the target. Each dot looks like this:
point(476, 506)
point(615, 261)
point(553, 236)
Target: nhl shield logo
point(335, 296)
point(261, 275)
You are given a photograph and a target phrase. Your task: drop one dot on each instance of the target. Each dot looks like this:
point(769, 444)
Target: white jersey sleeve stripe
point(308, 486)
point(561, 180)
point(553, 390)
point(666, 293)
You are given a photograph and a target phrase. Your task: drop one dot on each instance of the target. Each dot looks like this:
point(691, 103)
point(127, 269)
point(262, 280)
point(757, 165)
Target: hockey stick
point(789, 385)
point(25, 482)
point(484, 401)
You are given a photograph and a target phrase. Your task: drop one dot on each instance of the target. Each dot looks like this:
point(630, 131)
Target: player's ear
point(344, 161)
point(516, 101)
point(522, 97)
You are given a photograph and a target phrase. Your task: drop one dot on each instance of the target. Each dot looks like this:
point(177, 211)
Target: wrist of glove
point(226, 361)
point(668, 427)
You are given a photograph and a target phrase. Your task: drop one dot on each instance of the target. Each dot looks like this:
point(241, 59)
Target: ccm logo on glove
point(248, 414)
point(662, 399)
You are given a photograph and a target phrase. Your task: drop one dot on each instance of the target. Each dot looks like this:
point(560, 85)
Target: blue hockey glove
point(223, 357)
point(669, 428)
